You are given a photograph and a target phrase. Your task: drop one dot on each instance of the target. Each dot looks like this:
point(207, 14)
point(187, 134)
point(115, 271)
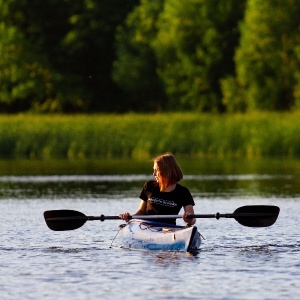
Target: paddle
point(251, 216)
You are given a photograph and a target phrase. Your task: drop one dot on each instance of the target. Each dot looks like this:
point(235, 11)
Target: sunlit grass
point(141, 136)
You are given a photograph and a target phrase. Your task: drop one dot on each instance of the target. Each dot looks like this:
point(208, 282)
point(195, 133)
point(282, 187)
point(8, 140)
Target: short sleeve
point(187, 197)
point(143, 194)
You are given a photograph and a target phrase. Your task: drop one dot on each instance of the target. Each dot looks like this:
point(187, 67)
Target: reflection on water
point(74, 178)
point(268, 185)
point(134, 178)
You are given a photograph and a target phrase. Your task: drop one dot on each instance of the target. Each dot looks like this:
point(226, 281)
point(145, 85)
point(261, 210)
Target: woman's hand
point(187, 219)
point(188, 210)
point(125, 216)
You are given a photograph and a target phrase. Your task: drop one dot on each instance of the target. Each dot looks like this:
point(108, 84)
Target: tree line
point(149, 55)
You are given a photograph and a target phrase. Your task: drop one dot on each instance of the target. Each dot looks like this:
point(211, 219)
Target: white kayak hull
point(149, 235)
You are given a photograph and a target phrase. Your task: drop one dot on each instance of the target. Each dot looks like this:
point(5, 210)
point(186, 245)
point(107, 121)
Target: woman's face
point(156, 173)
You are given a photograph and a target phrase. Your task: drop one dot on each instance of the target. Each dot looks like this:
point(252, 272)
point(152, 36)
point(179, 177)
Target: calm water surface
point(235, 262)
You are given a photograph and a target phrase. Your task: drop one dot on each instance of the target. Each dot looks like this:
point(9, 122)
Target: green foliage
point(233, 98)
point(24, 74)
point(297, 78)
point(186, 45)
point(89, 46)
point(149, 55)
point(142, 136)
point(135, 66)
point(266, 60)
point(56, 55)
point(194, 46)
point(29, 35)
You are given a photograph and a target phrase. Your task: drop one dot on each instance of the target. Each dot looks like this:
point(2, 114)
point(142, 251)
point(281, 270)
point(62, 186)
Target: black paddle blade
point(60, 220)
point(257, 215)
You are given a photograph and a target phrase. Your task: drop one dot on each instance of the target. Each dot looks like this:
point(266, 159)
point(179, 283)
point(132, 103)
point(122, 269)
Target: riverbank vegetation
point(142, 136)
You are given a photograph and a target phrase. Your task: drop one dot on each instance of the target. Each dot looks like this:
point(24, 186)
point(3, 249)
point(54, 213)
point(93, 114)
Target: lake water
point(235, 262)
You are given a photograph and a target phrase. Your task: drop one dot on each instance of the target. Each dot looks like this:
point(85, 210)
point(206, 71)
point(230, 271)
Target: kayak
point(150, 235)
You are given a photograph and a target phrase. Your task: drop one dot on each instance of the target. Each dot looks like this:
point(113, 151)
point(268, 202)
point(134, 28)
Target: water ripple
point(136, 177)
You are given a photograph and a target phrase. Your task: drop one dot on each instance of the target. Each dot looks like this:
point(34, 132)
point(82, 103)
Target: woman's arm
point(189, 210)
point(142, 208)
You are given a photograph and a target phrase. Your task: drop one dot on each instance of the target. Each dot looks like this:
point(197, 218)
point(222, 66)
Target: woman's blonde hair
point(169, 170)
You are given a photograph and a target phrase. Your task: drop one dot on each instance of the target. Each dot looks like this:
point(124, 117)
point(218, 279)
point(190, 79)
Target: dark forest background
point(149, 55)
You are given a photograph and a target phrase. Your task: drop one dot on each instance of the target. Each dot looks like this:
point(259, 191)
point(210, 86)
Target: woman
point(164, 195)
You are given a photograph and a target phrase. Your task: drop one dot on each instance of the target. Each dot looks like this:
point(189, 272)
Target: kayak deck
point(149, 235)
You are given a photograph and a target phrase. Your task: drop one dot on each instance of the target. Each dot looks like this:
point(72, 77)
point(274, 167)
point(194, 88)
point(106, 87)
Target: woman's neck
point(170, 188)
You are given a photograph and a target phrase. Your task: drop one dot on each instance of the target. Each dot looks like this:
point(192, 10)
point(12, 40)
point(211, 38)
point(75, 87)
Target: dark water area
point(234, 262)
point(223, 177)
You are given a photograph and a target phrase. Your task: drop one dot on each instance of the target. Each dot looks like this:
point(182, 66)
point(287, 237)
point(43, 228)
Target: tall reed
point(142, 136)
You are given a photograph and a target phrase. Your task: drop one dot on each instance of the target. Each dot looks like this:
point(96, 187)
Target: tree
point(26, 77)
point(135, 67)
point(266, 60)
point(56, 55)
point(194, 47)
point(89, 47)
point(297, 77)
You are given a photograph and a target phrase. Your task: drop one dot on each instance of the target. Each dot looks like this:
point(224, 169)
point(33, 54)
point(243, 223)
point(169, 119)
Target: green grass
point(140, 136)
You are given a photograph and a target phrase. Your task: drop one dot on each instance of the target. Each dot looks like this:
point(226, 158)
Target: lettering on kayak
point(163, 202)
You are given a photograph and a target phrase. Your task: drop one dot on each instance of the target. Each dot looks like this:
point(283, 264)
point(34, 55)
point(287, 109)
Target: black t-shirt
point(165, 203)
